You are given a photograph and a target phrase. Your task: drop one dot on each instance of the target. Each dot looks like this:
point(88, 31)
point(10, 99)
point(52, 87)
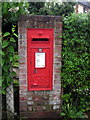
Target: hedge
point(75, 73)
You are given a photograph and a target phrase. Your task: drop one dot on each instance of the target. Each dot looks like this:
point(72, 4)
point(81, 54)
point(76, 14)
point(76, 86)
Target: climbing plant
point(11, 11)
point(9, 58)
point(10, 14)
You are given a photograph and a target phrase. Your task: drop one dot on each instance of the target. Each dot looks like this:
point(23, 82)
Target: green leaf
point(5, 68)
point(11, 58)
point(1, 52)
point(13, 29)
point(11, 49)
point(80, 115)
point(16, 57)
point(15, 64)
point(0, 81)
point(13, 73)
point(0, 33)
point(9, 79)
point(16, 82)
point(60, 36)
point(12, 39)
point(3, 92)
point(3, 61)
point(15, 35)
point(63, 114)
point(6, 34)
point(5, 43)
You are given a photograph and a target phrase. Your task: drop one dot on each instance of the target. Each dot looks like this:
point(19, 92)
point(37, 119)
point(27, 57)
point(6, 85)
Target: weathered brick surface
point(23, 105)
point(37, 101)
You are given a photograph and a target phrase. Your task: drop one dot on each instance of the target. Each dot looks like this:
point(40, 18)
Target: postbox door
point(40, 72)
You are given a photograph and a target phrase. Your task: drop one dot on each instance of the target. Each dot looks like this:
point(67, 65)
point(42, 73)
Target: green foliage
point(12, 10)
point(76, 62)
point(0, 10)
point(70, 112)
point(10, 14)
point(34, 7)
point(51, 8)
point(9, 58)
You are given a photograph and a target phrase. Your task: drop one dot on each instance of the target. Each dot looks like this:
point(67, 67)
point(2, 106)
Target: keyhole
point(35, 71)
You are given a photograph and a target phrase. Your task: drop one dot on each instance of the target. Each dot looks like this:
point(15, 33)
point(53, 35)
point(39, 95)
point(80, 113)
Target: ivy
point(9, 58)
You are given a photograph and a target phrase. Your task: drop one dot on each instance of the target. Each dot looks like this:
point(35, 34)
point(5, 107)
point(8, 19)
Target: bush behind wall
point(76, 64)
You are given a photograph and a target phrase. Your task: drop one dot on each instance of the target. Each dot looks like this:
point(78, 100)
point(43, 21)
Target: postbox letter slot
point(40, 39)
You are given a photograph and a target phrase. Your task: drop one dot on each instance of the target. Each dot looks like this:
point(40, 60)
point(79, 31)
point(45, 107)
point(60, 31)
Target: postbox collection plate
point(39, 60)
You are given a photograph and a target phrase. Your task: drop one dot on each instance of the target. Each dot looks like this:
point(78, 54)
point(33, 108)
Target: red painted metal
point(40, 69)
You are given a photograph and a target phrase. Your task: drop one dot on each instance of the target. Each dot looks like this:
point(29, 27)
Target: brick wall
point(39, 103)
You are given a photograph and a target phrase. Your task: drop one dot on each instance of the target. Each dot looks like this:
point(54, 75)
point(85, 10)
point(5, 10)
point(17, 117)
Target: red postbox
point(40, 58)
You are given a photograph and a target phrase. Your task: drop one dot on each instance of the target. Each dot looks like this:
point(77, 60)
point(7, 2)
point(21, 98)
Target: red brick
point(22, 82)
point(58, 18)
point(58, 31)
point(21, 24)
point(23, 95)
point(40, 99)
point(58, 48)
point(57, 65)
point(58, 42)
point(22, 76)
point(57, 54)
point(23, 106)
point(57, 87)
point(58, 36)
point(57, 76)
point(22, 92)
point(58, 25)
point(22, 70)
point(22, 48)
point(57, 70)
point(30, 108)
point(40, 24)
point(49, 25)
point(23, 98)
point(23, 87)
point(56, 82)
point(56, 59)
point(21, 30)
point(38, 108)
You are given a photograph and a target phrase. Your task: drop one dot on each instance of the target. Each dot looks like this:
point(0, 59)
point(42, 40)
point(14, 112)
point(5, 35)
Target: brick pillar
point(39, 104)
